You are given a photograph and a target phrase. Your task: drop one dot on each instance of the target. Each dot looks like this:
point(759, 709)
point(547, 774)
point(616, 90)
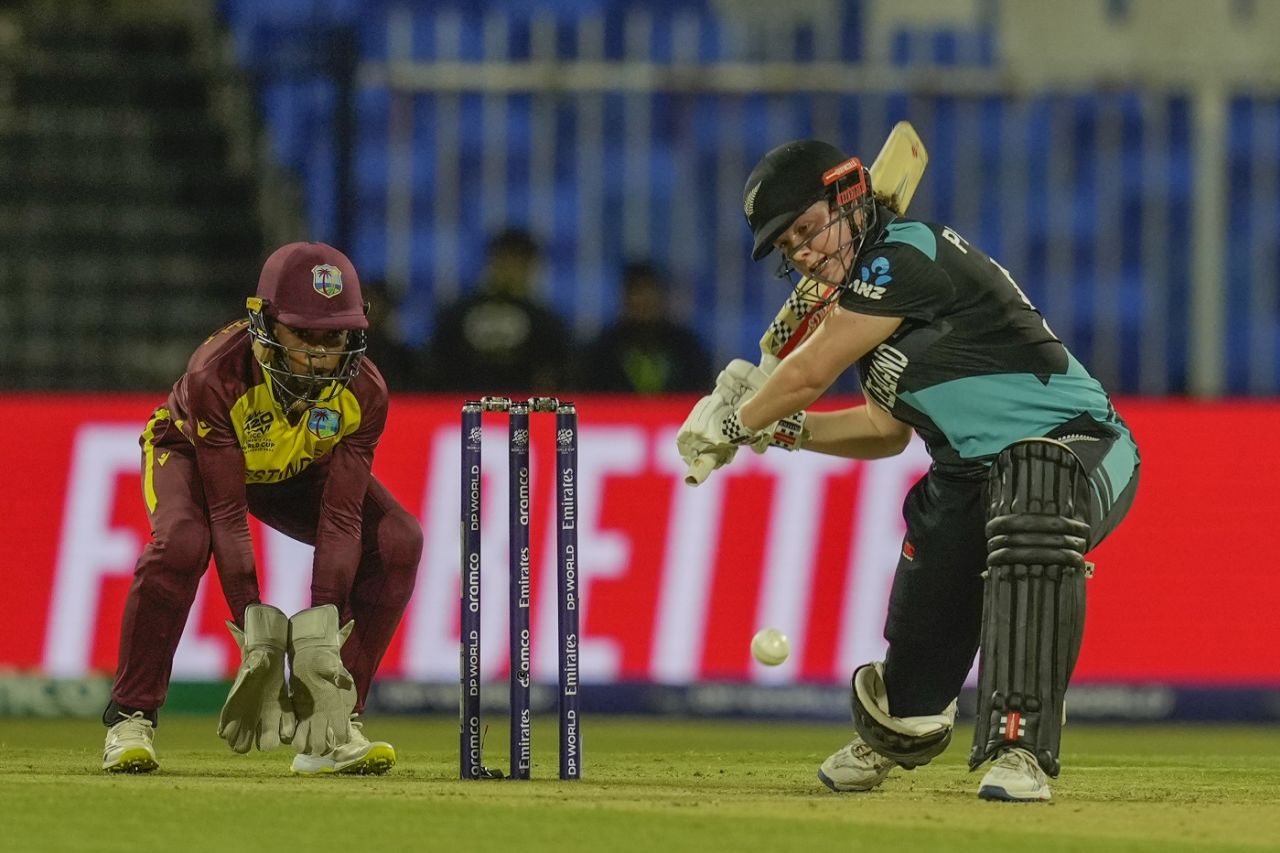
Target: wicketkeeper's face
point(819, 243)
point(312, 351)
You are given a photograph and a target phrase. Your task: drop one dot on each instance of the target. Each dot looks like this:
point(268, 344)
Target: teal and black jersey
point(973, 367)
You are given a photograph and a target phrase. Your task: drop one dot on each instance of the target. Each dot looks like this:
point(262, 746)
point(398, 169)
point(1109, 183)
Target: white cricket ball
point(770, 646)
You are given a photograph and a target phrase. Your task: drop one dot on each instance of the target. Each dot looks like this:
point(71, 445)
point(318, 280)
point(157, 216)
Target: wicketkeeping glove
point(324, 694)
point(257, 710)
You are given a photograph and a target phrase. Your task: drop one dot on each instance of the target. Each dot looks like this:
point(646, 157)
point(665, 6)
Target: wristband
point(789, 433)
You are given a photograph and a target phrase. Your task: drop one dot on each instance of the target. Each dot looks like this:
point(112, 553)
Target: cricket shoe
point(855, 767)
point(1015, 777)
point(358, 756)
point(128, 748)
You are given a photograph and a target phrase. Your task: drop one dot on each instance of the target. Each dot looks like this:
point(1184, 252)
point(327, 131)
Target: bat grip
point(699, 469)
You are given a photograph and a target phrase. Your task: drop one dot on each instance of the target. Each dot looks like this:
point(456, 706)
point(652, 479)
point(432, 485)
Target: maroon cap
point(312, 286)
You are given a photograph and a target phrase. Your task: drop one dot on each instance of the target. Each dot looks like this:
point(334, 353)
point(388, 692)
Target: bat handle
point(699, 469)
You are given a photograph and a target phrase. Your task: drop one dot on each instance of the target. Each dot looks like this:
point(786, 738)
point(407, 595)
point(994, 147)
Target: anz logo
point(875, 277)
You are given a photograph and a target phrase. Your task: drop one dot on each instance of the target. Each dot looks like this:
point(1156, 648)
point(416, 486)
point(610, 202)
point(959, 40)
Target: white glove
point(788, 433)
point(258, 710)
point(701, 433)
point(324, 693)
point(739, 382)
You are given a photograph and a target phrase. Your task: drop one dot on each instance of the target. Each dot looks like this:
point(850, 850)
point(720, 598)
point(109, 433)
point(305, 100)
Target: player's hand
point(324, 693)
point(258, 710)
point(701, 434)
point(739, 382)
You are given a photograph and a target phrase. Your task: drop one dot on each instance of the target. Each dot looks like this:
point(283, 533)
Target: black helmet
point(791, 177)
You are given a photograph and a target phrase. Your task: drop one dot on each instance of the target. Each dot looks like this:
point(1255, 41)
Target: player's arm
point(222, 474)
point(835, 346)
point(861, 432)
point(338, 533)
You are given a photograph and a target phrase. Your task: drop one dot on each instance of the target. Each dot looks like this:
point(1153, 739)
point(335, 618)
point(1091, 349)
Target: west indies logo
point(327, 280)
point(324, 423)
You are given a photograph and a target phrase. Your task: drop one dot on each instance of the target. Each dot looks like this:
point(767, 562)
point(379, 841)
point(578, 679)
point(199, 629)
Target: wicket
point(520, 584)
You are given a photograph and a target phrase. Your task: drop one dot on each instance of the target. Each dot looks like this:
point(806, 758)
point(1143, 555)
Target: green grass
point(661, 785)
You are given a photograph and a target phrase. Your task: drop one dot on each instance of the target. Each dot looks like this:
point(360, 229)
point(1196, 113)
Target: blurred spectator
point(645, 351)
point(402, 366)
point(498, 339)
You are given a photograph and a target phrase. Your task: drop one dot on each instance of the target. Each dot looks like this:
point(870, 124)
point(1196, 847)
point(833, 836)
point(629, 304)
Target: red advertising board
point(674, 580)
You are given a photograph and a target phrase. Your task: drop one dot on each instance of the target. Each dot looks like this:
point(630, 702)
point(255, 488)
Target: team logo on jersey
point(327, 280)
point(323, 423)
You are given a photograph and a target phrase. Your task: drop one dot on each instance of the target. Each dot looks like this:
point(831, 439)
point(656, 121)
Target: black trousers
point(934, 622)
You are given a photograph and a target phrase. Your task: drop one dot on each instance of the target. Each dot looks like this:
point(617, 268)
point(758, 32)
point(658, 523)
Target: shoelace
point(135, 725)
point(862, 751)
point(1019, 759)
point(357, 730)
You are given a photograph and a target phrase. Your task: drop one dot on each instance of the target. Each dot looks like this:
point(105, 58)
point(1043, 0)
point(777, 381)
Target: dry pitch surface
point(651, 785)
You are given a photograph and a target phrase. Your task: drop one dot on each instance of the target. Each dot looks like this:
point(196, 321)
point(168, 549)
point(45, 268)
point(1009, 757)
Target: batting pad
point(1034, 600)
point(910, 741)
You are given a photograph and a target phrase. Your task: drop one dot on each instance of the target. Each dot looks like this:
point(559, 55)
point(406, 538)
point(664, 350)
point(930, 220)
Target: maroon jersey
point(222, 409)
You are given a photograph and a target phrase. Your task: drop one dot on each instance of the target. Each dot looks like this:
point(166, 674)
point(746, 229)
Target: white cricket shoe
point(129, 745)
point(1015, 777)
point(855, 767)
point(358, 755)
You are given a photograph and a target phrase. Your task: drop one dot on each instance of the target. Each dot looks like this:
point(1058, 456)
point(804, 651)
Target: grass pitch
point(663, 785)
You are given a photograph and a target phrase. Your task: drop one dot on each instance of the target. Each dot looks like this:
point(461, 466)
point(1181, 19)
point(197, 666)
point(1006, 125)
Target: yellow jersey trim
point(149, 459)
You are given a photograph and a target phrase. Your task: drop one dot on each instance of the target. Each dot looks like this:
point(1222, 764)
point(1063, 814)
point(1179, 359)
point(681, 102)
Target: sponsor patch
point(873, 279)
point(878, 272)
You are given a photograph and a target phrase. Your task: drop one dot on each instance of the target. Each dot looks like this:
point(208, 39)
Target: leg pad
point(910, 741)
point(1033, 610)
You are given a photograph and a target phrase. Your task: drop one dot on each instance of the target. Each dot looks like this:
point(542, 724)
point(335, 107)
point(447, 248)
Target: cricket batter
point(1032, 466)
point(277, 415)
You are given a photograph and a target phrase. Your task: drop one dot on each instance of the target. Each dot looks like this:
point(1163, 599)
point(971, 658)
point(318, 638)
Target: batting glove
point(324, 694)
point(701, 433)
point(257, 710)
point(788, 433)
point(739, 382)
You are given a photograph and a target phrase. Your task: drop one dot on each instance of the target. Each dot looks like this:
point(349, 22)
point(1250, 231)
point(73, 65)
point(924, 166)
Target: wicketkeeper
point(1032, 466)
point(277, 415)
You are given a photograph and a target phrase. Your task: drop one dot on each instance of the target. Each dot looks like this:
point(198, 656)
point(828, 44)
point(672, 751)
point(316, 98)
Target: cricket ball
point(770, 646)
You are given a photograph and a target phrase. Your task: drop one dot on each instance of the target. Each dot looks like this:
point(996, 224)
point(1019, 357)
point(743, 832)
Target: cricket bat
point(895, 175)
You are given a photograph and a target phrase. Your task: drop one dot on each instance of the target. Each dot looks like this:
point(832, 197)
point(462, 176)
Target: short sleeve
point(898, 280)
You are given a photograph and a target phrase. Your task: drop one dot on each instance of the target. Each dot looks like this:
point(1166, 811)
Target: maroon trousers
point(171, 565)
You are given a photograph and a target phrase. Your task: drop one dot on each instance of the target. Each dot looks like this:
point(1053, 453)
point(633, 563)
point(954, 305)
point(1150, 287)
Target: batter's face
point(819, 244)
point(310, 351)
